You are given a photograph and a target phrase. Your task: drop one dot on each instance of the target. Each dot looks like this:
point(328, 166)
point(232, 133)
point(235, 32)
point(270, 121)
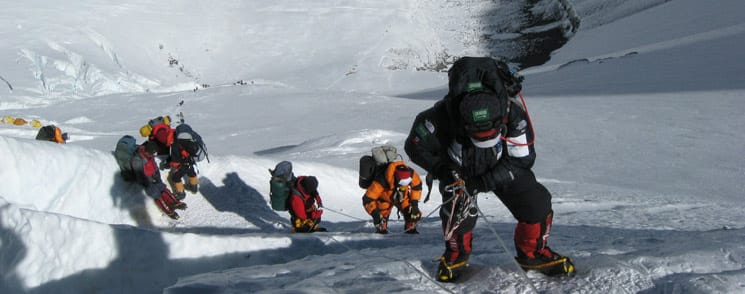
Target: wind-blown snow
point(639, 138)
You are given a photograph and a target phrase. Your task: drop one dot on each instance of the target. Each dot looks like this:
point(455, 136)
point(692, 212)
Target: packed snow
point(639, 122)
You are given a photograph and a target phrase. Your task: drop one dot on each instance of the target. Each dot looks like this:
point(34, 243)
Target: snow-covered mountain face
point(637, 107)
point(94, 48)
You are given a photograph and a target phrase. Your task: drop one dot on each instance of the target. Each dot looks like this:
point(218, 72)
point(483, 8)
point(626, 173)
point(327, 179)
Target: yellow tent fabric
point(19, 121)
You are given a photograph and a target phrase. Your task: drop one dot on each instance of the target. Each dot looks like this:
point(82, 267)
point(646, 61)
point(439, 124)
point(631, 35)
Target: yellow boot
point(193, 185)
point(178, 190)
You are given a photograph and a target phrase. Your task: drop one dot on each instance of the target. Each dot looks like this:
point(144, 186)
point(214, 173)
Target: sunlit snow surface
point(639, 122)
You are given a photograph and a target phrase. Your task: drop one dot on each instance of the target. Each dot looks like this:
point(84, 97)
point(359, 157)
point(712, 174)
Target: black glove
point(444, 172)
point(475, 185)
point(164, 164)
point(414, 213)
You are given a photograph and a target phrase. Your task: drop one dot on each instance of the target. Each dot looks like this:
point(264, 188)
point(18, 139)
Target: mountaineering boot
point(161, 204)
point(172, 201)
point(534, 254)
point(382, 227)
point(449, 273)
point(192, 185)
point(410, 228)
point(548, 263)
point(180, 195)
point(178, 190)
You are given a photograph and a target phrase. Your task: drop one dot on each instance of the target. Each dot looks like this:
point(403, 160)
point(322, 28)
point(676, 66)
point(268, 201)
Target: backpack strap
point(428, 180)
point(379, 175)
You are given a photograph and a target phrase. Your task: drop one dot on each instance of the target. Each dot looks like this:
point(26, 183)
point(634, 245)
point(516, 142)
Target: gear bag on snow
point(280, 185)
point(51, 133)
point(373, 166)
point(125, 149)
point(185, 132)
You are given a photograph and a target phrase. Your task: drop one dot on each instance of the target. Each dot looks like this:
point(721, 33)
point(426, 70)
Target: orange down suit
point(383, 196)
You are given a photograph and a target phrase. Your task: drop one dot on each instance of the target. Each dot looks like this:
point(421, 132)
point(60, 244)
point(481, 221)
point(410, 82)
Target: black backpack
point(470, 74)
point(485, 77)
point(373, 166)
point(201, 152)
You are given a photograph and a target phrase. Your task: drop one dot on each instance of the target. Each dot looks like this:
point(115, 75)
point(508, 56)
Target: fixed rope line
point(504, 247)
point(367, 221)
point(423, 274)
point(344, 214)
point(433, 211)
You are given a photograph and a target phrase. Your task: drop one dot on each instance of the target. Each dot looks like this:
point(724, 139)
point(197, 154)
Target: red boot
point(161, 203)
point(534, 254)
point(410, 228)
point(171, 200)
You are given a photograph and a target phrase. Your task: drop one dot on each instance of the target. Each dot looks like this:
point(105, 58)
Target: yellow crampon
point(448, 272)
point(560, 266)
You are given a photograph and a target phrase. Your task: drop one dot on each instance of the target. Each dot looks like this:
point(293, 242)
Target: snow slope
point(638, 118)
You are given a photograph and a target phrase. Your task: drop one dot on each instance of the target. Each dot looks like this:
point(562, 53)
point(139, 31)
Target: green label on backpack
point(480, 114)
point(474, 86)
point(422, 131)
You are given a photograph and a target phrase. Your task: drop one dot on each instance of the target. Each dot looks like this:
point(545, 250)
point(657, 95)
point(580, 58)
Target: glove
point(164, 165)
point(414, 213)
point(316, 214)
point(444, 172)
point(475, 185)
point(305, 226)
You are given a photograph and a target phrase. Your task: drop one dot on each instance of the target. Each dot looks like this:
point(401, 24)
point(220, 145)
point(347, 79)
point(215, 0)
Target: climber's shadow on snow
point(275, 150)
point(13, 252)
point(238, 197)
point(131, 197)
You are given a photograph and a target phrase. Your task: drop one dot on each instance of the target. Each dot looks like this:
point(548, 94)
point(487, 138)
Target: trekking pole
point(504, 247)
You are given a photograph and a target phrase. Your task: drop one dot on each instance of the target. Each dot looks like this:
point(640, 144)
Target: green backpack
point(125, 149)
point(280, 185)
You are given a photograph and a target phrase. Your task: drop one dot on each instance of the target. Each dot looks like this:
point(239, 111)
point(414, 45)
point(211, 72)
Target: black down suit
point(485, 138)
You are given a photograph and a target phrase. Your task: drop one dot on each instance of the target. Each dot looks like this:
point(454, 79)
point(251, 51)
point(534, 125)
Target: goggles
point(404, 182)
point(485, 135)
point(483, 131)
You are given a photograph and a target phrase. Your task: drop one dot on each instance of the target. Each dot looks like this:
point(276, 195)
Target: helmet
point(309, 184)
point(403, 175)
